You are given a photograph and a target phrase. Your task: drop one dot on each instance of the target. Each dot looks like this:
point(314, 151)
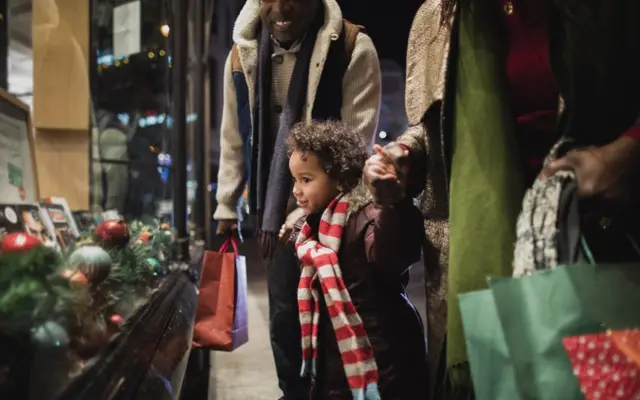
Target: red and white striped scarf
point(319, 257)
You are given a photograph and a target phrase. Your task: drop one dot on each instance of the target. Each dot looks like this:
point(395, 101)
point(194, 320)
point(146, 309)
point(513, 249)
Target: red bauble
point(19, 242)
point(145, 236)
point(116, 319)
point(75, 276)
point(113, 233)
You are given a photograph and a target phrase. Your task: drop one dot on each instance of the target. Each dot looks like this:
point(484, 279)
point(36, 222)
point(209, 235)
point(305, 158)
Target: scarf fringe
point(369, 393)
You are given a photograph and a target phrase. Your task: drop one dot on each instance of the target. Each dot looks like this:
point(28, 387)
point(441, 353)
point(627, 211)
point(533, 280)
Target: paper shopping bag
point(603, 365)
point(538, 311)
point(221, 321)
point(492, 372)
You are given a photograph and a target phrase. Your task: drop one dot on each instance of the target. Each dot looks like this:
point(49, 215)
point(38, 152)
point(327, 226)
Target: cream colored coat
point(361, 93)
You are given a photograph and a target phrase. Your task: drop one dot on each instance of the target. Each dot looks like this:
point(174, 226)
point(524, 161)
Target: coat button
point(279, 59)
point(277, 109)
point(334, 36)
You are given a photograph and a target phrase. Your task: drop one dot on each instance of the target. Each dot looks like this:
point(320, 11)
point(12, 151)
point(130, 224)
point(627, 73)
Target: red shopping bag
point(221, 321)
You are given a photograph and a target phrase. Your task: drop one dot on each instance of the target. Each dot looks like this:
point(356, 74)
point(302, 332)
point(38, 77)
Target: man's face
point(288, 20)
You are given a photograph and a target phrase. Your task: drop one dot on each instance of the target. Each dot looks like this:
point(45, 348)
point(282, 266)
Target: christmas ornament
point(115, 324)
point(154, 266)
point(51, 334)
point(602, 368)
point(19, 242)
point(93, 261)
point(144, 237)
point(165, 226)
point(113, 233)
point(116, 319)
point(75, 276)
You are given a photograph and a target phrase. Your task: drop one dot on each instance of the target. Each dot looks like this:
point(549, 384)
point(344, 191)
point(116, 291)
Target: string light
point(162, 53)
point(151, 55)
point(164, 29)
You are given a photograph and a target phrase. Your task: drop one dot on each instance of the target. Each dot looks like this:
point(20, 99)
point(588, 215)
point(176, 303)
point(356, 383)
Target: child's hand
point(287, 228)
point(385, 173)
point(285, 233)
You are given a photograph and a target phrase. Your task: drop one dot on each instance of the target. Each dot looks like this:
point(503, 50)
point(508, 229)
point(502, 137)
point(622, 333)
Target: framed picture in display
point(18, 176)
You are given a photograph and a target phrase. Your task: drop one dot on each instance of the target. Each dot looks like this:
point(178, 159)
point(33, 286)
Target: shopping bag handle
point(234, 245)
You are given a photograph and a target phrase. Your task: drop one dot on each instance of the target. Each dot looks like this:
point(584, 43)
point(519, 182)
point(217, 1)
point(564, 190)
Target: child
point(361, 336)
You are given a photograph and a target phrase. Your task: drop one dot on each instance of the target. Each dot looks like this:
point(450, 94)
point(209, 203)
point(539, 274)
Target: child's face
point(312, 187)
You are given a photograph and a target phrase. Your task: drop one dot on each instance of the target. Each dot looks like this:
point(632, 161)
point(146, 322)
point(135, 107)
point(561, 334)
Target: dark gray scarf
point(271, 174)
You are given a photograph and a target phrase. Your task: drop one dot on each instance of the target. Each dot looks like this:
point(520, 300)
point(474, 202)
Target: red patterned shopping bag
point(606, 371)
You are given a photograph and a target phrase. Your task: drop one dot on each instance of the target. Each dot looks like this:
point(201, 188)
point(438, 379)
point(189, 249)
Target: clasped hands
point(611, 172)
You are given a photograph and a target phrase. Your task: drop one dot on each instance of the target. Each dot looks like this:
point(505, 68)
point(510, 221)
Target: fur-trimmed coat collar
point(245, 32)
point(359, 198)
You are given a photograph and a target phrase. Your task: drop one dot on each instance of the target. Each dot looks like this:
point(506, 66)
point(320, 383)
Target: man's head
point(288, 20)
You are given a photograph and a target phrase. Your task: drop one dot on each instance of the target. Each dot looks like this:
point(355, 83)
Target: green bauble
point(51, 334)
point(93, 261)
point(154, 266)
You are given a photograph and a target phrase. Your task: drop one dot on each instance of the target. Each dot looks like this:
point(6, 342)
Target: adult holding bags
point(485, 82)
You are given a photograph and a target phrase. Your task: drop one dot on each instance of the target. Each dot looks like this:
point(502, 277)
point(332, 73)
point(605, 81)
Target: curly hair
point(341, 151)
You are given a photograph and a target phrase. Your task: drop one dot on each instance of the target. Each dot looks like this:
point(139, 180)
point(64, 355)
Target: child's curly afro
point(341, 151)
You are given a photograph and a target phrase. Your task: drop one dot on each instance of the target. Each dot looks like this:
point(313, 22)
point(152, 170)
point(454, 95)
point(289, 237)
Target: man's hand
point(385, 173)
point(227, 227)
point(610, 172)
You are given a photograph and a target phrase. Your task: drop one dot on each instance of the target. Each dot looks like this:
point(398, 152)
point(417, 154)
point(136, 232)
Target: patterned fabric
point(536, 229)
point(629, 343)
point(604, 371)
point(319, 257)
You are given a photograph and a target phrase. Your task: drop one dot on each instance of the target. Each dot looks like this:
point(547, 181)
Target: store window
point(19, 49)
point(97, 295)
point(131, 93)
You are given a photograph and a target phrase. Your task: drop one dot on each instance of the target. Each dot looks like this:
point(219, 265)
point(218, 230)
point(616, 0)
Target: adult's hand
point(227, 227)
point(385, 173)
point(611, 172)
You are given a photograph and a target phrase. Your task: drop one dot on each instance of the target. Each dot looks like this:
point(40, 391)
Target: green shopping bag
point(537, 311)
point(492, 371)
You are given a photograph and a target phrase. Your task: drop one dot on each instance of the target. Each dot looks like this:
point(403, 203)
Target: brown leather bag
point(221, 321)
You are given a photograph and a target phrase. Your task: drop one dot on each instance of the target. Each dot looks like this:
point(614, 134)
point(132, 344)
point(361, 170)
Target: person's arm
point(362, 89)
point(393, 241)
point(231, 166)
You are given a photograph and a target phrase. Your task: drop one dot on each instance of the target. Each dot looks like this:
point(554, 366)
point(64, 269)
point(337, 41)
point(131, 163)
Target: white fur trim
point(244, 36)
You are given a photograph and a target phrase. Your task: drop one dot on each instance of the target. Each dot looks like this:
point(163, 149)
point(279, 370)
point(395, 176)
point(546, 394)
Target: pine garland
point(33, 290)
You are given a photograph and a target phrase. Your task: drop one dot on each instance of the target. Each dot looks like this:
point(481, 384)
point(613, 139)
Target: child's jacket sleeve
point(394, 239)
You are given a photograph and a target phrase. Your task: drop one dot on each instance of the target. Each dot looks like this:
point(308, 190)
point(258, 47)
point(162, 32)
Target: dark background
point(387, 22)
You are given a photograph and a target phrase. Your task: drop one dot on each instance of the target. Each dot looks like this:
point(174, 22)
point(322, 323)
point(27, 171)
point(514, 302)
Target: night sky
point(387, 22)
